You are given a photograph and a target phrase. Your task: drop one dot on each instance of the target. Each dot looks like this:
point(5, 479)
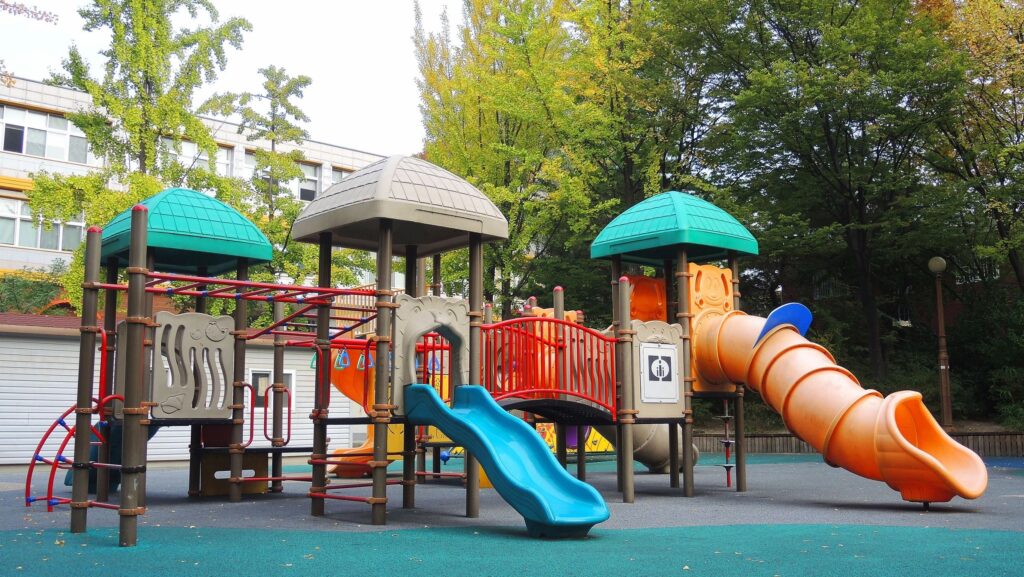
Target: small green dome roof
point(650, 232)
point(189, 230)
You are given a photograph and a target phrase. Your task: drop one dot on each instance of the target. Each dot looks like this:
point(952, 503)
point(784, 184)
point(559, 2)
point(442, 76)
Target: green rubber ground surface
point(779, 550)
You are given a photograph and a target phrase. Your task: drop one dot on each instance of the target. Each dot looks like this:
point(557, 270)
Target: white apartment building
point(35, 136)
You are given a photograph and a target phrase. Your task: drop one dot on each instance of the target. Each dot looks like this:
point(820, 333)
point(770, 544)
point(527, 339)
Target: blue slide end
point(794, 314)
point(518, 462)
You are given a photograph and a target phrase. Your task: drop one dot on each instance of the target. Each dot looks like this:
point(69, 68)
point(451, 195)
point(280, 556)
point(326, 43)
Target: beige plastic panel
point(415, 317)
point(195, 366)
point(662, 333)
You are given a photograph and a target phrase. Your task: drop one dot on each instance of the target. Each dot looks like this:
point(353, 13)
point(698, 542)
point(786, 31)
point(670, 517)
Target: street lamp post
point(937, 265)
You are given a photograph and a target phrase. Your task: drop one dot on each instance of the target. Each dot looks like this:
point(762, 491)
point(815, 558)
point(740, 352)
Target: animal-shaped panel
point(711, 296)
point(196, 355)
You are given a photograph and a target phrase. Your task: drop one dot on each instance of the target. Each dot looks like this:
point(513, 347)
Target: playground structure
point(635, 381)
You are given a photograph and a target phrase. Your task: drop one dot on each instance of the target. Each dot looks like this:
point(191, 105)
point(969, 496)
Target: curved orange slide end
point(893, 439)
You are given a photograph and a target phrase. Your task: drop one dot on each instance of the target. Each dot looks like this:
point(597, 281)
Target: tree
point(273, 207)
point(142, 111)
point(829, 105)
point(502, 110)
point(31, 12)
point(979, 147)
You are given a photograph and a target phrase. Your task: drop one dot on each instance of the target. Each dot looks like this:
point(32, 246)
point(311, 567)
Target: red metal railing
point(543, 358)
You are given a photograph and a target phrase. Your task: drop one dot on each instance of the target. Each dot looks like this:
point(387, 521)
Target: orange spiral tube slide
point(892, 439)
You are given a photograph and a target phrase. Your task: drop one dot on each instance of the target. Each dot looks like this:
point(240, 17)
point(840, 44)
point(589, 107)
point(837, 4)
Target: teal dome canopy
point(651, 231)
point(189, 230)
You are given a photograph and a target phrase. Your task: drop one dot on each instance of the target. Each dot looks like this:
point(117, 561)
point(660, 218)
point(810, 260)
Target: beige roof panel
point(431, 208)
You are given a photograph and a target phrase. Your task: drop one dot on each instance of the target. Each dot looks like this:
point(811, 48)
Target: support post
point(476, 301)
point(381, 398)
point(110, 327)
point(195, 443)
point(322, 379)
point(620, 462)
point(132, 462)
point(235, 450)
point(627, 412)
point(413, 286)
point(581, 453)
point(558, 297)
point(741, 427)
point(673, 455)
point(86, 363)
point(278, 386)
point(683, 317)
point(670, 306)
point(435, 289)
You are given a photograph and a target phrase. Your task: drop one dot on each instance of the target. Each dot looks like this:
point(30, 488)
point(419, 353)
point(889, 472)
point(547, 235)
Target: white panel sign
point(659, 373)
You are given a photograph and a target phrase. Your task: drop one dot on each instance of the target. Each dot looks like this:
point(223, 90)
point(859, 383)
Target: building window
point(41, 134)
point(310, 183)
point(339, 174)
point(18, 228)
point(263, 379)
point(191, 156)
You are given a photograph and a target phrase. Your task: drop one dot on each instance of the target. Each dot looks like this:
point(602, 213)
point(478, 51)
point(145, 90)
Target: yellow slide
point(893, 439)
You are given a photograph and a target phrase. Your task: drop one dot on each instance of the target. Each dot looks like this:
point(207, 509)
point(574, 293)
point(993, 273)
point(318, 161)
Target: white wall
point(38, 376)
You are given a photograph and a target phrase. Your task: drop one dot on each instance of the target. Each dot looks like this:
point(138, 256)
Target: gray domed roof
point(431, 208)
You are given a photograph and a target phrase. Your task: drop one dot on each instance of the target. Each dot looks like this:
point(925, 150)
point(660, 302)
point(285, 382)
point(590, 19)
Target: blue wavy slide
point(517, 461)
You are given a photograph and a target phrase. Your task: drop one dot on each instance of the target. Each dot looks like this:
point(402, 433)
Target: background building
point(38, 353)
point(35, 136)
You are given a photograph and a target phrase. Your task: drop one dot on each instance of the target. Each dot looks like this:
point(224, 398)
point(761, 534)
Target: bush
point(29, 291)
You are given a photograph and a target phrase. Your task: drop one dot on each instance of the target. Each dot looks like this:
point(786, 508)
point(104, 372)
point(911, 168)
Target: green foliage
point(985, 352)
point(272, 116)
point(29, 291)
point(142, 110)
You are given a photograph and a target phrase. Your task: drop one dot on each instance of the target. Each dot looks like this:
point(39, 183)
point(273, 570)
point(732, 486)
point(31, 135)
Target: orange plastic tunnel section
point(893, 439)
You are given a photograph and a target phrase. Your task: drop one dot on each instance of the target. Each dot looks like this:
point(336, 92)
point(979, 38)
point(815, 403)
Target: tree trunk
point(857, 242)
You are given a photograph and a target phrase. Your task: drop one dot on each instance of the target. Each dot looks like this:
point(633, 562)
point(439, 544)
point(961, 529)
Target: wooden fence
point(984, 444)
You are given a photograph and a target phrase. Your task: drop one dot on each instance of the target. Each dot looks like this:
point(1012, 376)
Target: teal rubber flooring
point(754, 551)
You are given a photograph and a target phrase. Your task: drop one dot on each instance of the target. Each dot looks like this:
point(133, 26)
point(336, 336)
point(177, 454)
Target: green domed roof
point(650, 232)
point(189, 230)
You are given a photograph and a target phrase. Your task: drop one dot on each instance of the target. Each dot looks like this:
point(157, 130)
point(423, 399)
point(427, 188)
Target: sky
point(359, 54)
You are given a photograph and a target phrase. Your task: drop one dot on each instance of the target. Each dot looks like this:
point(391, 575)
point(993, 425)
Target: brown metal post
point(683, 318)
point(381, 396)
point(147, 347)
point(421, 277)
point(581, 453)
point(412, 288)
point(236, 451)
point(667, 270)
point(476, 302)
point(110, 327)
point(195, 443)
point(620, 461)
point(322, 380)
point(133, 465)
point(558, 296)
point(278, 387)
point(741, 426)
point(436, 274)
point(86, 363)
point(421, 456)
point(627, 410)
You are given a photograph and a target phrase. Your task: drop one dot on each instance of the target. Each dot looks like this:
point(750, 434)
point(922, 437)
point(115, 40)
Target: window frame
point(38, 225)
point(290, 374)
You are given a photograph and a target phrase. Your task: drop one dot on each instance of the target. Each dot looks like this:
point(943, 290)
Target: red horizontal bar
point(339, 497)
point(267, 479)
